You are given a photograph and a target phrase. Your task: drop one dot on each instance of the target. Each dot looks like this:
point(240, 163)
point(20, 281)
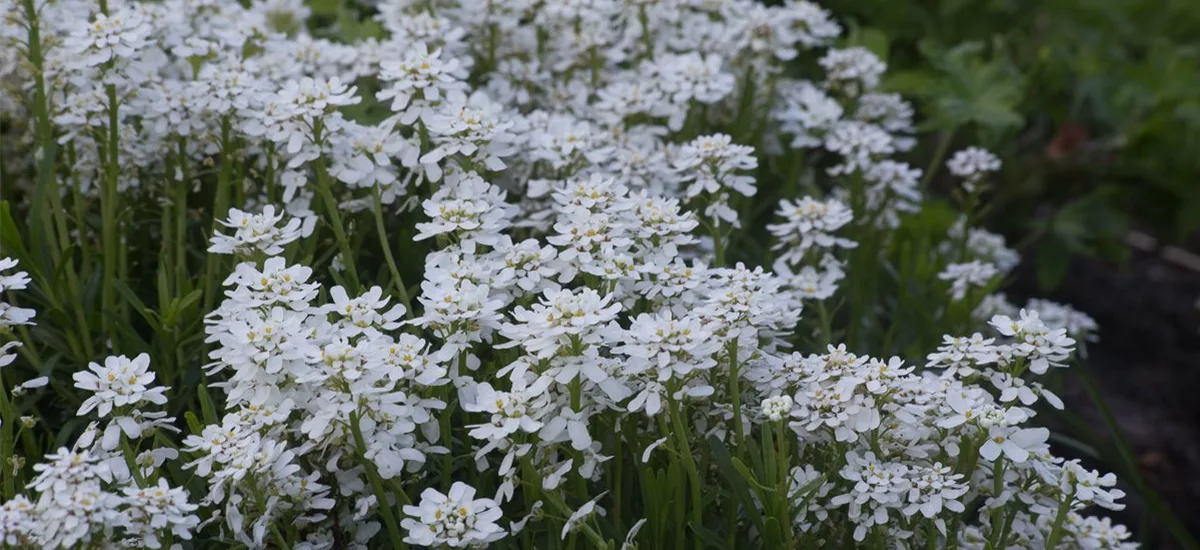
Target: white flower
point(364, 313)
point(10, 315)
point(456, 520)
point(256, 233)
point(1015, 443)
point(311, 99)
point(806, 112)
point(891, 112)
point(852, 70)
point(934, 488)
point(419, 80)
point(560, 320)
point(966, 275)
point(160, 507)
point(877, 487)
point(973, 164)
point(812, 284)
point(475, 131)
point(672, 347)
point(1034, 341)
point(15, 281)
point(860, 144)
point(712, 163)
point(1062, 316)
point(39, 382)
point(693, 76)
point(512, 411)
point(963, 355)
point(119, 382)
point(582, 514)
point(809, 223)
point(120, 35)
point(980, 244)
point(777, 408)
point(814, 25)
point(469, 209)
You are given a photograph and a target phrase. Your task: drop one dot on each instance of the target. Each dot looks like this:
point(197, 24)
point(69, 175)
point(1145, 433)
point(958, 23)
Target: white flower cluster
point(973, 164)
point(257, 233)
point(11, 315)
point(562, 157)
point(105, 490)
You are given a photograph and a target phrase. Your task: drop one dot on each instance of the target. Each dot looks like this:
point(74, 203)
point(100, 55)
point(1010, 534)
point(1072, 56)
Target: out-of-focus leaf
point(1053, 261)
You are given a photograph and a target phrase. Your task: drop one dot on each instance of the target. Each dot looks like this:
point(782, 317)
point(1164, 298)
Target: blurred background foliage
point(1093, 104)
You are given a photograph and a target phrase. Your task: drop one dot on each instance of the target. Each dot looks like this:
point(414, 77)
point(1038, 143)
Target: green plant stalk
point(783, 470)
point(1056, 532)
point(935, 162)
point(220, 208)
point(997, 514)
point(325, 190)
point(1162, 512)
point(8, 482)
point(385, 510)
point(826, 325)
point(180, 204)
point(680, 432)
point(44, 136)
point(131, 460)
point(445, 422)
point(384, 243)
point(718, 245)
point(735, 394)
point(3, 172)
point(166, 250)
point(108, 217)
point(79, 205)
point(618, 470)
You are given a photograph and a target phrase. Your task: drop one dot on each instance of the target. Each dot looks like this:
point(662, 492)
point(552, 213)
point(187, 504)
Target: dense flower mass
point(459, 274)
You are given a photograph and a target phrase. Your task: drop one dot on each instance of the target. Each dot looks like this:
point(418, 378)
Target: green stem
point(397, 280)
point(826, 327)
point(325, 190)
point(939, 154)
point(385, 508)
point(180, 204)
point(1056, 532)
point(680, 432)
point(718, 245)
point(7, 474)
point(220, 210)
point(108, 216)
point(735, 394)
point(44, 136)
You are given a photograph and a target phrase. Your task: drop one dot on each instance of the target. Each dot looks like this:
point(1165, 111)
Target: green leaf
point(1132, 472)
point(207, 409)
point(773, 534)
point(750, 477)
point(10, 236)
point(710, 538)
point(737, 483)
point(870, 38)
point(193, 422)
point(1053, 262)
point(148, 314)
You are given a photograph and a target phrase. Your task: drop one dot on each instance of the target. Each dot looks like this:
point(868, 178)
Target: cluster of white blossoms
point(10, 315)
point(258, 234)
point(578, 171)
point(108, 488)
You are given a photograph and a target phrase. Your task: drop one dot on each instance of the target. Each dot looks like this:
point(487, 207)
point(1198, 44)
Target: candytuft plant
point(505, 274)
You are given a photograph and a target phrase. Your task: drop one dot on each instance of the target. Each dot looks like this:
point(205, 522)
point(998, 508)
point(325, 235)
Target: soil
point(1147, 367)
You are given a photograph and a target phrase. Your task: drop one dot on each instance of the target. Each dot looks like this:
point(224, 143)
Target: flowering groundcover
point(510, 274)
